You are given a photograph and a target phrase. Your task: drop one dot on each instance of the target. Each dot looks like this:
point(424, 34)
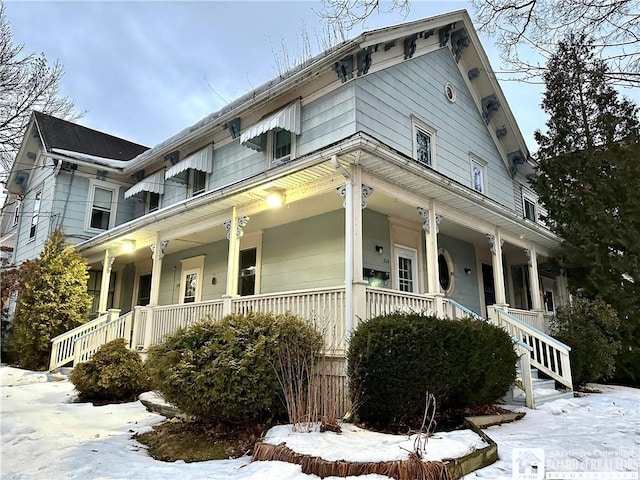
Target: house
point(386, 173)
point(65, 176)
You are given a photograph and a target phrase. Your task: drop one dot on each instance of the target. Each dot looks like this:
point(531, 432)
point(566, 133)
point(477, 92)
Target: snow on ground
point(45, 435)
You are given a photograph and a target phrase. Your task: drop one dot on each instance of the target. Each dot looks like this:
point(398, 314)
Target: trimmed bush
point(227, 370)
point(395, 359)
point(590, 328)
point(114, 373)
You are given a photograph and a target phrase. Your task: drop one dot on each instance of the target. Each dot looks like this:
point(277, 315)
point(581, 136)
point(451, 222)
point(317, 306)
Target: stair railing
point(547, 354)
point(62, 346)
point(87, 345)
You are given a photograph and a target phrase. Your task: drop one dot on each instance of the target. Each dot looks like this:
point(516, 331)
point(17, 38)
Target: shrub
point(226, 370)
point(54, 300)
point(114, 373)
point(590, 328)
point(393, 360)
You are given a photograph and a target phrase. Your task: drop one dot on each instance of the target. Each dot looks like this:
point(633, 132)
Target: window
point(282, 144)
point(93, 289)
point(247, 272)
point(445, 271)
point(529, 205)
point(198, 182)
point(450, 92)
point(478, 174)
point(190, 286)
point(16, 213)
point(549, 306)
point(103, 198)
point(144, 289)
point(152, 201)
point(35, 215)
point(423, 143)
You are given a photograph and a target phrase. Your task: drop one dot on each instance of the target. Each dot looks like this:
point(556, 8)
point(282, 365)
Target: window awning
point(287, 119)
point(153, 183)
point(202, 160)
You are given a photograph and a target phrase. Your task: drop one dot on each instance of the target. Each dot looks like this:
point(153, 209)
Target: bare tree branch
point(27, 82)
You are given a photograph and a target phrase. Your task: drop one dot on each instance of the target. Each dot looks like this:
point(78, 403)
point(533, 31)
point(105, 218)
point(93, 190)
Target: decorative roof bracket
point(515, 159)
point(410, 46)
point(490, 104)
point(459, 41)
point(234, 127)
point(344, 68)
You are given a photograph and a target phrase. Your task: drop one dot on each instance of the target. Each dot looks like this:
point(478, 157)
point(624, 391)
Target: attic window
point(450, 92)
point(424, 138)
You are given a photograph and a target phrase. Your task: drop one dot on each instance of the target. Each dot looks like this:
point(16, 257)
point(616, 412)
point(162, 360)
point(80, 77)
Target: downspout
point(348, 244)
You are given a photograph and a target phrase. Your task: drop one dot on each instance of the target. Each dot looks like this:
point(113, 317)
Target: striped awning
point(153, 183)
point(202, 160)
point(287, 119)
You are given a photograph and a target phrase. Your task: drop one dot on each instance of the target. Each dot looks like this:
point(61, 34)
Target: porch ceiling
point(199, 220)
point(409, 179)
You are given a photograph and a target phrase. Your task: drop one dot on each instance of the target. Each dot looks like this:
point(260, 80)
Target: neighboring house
point(70, 177)
point(386, 173)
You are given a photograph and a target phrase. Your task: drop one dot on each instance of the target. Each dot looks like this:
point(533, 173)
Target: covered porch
point(358, 232)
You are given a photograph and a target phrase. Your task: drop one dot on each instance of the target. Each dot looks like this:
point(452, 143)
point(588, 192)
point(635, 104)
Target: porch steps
point(544, 390)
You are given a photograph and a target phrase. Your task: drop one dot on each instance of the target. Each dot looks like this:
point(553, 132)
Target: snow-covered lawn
point(45, 435)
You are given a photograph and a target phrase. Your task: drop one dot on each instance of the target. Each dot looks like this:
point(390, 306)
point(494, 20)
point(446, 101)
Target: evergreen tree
point(53, 301)
point(589, 181)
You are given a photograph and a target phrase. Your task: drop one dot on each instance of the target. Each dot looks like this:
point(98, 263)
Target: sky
point(594, 435)
point(146, 70)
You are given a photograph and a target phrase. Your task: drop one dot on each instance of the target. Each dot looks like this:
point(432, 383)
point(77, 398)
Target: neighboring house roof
point(64, 135)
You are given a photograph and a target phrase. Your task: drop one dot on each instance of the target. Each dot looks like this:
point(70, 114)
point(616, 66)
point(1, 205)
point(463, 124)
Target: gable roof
point(483, 86)
point(64, 135)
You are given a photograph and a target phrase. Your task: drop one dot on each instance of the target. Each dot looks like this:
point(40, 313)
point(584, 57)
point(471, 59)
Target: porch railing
point(139, 327)
point(324, 308)
point(547, 354)
point(533, 318)
point(62, 346)
point(381, 301)
point(87, 344)
point(161, 320)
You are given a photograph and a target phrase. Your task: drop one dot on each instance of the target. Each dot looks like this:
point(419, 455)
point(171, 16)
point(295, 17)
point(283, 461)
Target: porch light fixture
point(128, 246)
point(379, 249)
point(467, 271)
point(275, 198)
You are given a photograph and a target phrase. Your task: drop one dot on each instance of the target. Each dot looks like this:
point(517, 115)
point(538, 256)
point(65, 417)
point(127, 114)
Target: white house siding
point(308, 253)
point(328, 119)
point(385, 101)
point(375, 232)
point(234, 162)
point(41, 179)
point(463, 255)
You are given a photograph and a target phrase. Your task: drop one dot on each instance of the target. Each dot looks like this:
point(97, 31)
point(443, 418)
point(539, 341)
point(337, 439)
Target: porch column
point(431, 229)
point(360, 193)
point(235, 232)
point(107, 263)
point(563, 290)
point(534, 282)
point(157, 254)
point(496, 242)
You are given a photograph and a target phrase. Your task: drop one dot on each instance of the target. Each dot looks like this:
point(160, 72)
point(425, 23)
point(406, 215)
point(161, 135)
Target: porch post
point(431, 228)
point(235, 232)
point(157, 254)
point(563, 290)
point(107, 263)
point(534, 282)
point(496, 242)
point(360, 193)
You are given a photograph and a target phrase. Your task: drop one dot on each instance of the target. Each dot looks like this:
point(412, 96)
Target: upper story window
point(152, 201)
point(103, 200)
point(35, 216)
point(530, 207)
point(197, 182)
point(16, 213)
point(424, 143)
point(281, 146)
point(478, 174)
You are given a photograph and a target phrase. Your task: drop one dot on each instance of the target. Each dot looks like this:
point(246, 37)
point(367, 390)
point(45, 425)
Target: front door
point(488, 286)
point(406, 264)
point(189, 285)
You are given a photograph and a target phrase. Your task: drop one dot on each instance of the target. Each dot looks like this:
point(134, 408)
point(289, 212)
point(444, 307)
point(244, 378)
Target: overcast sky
point(146, 70)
